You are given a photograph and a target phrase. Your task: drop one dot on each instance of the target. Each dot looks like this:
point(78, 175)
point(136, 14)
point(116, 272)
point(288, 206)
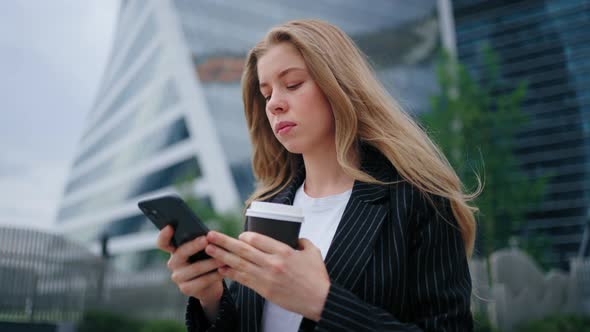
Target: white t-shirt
point(322, 216)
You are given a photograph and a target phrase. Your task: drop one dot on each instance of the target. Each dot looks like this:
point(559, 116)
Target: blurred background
point(105, 103)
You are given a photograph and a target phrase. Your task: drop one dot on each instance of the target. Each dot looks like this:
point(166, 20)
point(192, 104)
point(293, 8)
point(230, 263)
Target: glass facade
point(146, 34)
point(163, 100)
point(145, 73)
point(119, 45)
point(131, 188)
point(546, 44)
point(132, 154)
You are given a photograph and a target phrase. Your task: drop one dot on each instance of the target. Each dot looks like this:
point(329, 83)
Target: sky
point(52, 57)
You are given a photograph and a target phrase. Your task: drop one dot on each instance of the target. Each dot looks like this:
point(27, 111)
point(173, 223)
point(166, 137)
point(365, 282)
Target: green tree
point(474, 121)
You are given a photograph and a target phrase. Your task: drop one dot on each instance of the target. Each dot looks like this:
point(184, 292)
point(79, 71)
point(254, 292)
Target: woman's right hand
point(199, 279)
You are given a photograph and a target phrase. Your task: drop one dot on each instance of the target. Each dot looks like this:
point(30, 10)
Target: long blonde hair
point(363, 111)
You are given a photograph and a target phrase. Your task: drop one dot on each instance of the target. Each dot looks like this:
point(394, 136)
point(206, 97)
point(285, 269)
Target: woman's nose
point(276, 104)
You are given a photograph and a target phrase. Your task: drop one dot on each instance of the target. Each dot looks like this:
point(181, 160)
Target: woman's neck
point(323, 175)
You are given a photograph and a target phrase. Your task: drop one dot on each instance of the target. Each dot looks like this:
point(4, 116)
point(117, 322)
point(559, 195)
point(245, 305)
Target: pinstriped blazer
point(395, 264)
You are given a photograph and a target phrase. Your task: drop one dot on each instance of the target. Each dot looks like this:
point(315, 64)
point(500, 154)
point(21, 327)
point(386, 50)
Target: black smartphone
point(172, 210)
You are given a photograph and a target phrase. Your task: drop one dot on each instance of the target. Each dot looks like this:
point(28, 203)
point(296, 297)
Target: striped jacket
point(395, 264)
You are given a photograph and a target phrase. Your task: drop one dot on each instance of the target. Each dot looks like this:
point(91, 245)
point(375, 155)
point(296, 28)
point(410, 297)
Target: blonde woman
point(387, 230)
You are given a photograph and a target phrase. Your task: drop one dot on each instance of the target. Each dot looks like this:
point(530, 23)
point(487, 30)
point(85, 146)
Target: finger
point(181, 255)
point(228, 258)
point(305, 244)
point(199, 285)
point(164, 238)
point(242, 278)
point(195, 270)
point(266, 244)
point(237, 248)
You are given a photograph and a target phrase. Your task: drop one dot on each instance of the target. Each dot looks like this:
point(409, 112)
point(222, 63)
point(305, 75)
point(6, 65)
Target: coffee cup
point(279, 221)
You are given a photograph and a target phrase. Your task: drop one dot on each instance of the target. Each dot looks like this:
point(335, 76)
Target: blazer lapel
point(352, 246)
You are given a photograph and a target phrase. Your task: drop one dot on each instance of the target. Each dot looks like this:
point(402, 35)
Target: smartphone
point(172, 210)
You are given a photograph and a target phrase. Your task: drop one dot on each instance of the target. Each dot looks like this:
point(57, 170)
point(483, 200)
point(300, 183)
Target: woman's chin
point(293, 151)
point(293, 148)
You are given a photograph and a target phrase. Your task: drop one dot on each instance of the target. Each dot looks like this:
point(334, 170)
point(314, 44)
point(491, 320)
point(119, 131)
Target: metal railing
point(44, 277)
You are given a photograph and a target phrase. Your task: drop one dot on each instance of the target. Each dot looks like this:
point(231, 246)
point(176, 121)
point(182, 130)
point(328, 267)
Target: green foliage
point(474, 122)
point(163, 326)
point(536, 246)
point(101, 321)
point(481, 323)
point(561, 323)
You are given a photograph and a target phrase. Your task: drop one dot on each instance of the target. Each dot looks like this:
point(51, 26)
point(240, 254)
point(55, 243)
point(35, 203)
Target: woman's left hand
point(296, 280)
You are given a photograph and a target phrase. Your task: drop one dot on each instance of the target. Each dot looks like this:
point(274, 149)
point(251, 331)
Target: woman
point(387, 230)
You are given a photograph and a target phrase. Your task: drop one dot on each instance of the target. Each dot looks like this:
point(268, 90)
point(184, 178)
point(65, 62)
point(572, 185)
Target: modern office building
point(149, 128)
point(170, 102)
point(547, 44)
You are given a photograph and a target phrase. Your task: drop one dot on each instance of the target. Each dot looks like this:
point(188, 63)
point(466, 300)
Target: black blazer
point(395, 264)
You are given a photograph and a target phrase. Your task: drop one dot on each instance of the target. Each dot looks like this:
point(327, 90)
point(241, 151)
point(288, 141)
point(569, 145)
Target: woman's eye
point(294, 86)
point(267, 98)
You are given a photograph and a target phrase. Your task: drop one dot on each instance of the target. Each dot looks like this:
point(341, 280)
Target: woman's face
point(297, 110)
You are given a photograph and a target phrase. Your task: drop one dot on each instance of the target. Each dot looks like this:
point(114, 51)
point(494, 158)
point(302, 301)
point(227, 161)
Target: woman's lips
point(282, 126)
point(285, 129)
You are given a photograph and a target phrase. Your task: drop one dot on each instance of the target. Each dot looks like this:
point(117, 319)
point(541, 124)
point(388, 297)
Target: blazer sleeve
point(439, 283)
point(227, 317)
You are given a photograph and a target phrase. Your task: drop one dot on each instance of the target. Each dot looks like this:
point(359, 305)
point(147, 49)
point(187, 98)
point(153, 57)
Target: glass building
point(547, 44)
point(170, 101)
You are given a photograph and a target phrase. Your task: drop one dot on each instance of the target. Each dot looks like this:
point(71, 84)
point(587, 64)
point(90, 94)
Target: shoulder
point(417, 211)
point(412, 203)
point(404, 195)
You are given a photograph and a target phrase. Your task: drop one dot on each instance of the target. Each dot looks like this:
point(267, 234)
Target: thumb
point(305, 244)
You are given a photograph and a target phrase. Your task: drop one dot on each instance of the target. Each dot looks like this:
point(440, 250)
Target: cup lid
point(275, 209)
